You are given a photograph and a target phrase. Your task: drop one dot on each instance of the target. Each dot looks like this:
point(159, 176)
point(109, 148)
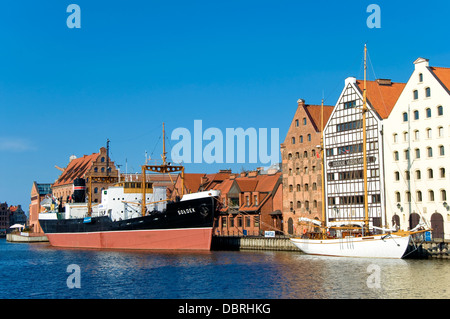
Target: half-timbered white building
point(343, 144)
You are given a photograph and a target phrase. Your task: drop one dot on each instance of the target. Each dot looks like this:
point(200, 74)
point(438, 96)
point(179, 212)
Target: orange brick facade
point(301, 167)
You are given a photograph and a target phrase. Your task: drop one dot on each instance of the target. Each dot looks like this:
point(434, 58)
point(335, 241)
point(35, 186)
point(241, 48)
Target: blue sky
point(135, 64)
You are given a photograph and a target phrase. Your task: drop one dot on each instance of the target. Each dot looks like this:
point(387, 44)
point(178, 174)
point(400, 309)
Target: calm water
point(33, 271)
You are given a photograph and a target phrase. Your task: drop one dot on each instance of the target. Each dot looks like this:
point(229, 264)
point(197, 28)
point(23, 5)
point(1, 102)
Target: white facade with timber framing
point(417, 151)
point(343, 144)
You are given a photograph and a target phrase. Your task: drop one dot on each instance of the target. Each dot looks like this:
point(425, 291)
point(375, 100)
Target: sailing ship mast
point(324, 223)
point(364, 111)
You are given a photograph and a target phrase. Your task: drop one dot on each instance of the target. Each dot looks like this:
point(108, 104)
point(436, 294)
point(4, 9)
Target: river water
point(36, 271)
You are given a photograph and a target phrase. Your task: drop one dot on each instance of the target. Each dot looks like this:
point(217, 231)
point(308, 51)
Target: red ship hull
point(180, 239)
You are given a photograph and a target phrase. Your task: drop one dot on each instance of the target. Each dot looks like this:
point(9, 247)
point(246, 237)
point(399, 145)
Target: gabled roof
point(443, 74)
point(382, 97)
point(77, 168)
point(192, 181)
point(314, 113)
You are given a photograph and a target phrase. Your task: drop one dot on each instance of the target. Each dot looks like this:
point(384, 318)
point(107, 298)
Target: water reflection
point(216, 274)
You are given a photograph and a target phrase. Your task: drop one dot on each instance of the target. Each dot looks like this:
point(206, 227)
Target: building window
point(405, 117)
point(298, 187)
point(95, 169)
point(431, 196)
point(306, 188)
point(95, 190)
point(397, 197)
point(441, 150)
point(420, 77)
point(429, 133)
point(417, 151)
point(289, 156)
point(443, 195)
point(304, 121)
point(415, 94)
point(418, 175)
point(103, 169)
point(406, 154)
point(305, 154)
point(296, 122)
point(293, 140)
point(407, 177)
point(441, 131)
point(301, 138)
point(396, 156)
point(395, 138)
point(416, 115)
point(430, 173)
point(299, 204)
point(290, 189)
point(416, 135)
point(430, 152)
point(309, 137)
point(408, 197)
point(442, 172)
point(428, 112)
point(102, 159)
point(427, 92)
point(305, 169)
point(440, 110)
point(419, 196)
point(405, 136)
point(255, 198)
point(349, 105)
point(397, 176)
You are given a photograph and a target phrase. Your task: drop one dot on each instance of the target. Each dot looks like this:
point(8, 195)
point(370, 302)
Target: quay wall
point(252, 243)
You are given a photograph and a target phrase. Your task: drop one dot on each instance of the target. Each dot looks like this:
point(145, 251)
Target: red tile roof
point(382, 97)
point(77, 168)
point(443, 74)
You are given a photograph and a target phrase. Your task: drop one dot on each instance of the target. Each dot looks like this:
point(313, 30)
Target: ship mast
point(364, 111)
point(164, 168)
point(323, 170)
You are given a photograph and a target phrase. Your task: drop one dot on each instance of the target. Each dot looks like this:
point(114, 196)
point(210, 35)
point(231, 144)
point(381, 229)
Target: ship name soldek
point(186, 211)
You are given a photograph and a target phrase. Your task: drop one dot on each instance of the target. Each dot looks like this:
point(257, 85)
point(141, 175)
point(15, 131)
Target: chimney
point(384, 81)
point(301, 102)
point(253, 174)
point(350, 80)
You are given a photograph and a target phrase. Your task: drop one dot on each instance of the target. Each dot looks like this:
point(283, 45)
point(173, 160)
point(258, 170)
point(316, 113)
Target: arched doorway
point(437, 225)
point(414, 219)
point(396, 221)
point(290, 226)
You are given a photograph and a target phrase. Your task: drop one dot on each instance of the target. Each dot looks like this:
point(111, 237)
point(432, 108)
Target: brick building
point(251, 204)
point(301, 166)
point(83, 167)
point(38, 193)
point(4, 218)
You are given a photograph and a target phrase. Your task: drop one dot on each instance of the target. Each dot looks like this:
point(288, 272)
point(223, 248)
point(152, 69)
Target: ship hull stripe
point(183, 239)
